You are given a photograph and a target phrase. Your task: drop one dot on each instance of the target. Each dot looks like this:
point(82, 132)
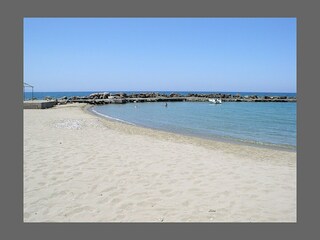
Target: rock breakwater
point(120, 98)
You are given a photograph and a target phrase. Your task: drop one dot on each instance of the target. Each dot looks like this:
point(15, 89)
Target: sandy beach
point(79, 167)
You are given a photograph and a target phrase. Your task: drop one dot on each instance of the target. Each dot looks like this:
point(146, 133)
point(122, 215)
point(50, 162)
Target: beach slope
point(79, 167)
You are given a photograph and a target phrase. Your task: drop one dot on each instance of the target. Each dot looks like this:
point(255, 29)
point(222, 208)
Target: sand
point(79, 167)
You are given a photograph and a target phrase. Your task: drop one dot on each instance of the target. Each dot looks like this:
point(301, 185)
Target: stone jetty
point(121, 98)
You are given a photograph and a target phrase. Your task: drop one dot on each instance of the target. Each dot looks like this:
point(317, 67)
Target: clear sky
point(164, 54)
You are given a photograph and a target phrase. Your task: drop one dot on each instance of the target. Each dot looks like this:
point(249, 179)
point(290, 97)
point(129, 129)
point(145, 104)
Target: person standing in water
point(166, 105)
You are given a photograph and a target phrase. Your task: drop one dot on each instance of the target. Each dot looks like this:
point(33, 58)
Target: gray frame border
point(12, 13)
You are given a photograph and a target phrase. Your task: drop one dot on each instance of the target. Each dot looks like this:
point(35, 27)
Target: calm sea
point(272, 124)
point(257, 123)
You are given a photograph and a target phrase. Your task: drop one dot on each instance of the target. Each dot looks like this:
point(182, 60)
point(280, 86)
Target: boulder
point(174, 95)
point(142, 95)
point(105, 95)
point(93, 95)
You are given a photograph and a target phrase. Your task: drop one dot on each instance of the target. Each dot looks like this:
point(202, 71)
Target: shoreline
point(79, 167)
point(229, 147)
point(287, 148)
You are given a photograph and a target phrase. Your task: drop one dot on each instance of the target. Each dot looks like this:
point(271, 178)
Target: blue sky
point(164, 54)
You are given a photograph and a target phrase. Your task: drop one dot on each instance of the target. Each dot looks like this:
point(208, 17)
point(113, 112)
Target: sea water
point(257, 123)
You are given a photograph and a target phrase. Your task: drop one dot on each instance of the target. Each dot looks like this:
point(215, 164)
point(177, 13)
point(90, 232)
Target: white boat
point(215, 101)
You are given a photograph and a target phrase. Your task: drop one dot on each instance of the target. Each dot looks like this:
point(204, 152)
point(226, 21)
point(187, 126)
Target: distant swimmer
point(166, 105)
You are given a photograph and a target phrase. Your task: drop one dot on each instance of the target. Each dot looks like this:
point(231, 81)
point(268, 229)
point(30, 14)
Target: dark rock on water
point(175, 95)
point(142, 95)
point(283, 97)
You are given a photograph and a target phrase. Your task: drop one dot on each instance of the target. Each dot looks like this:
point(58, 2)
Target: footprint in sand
point(164, 191)
point(78, 210)
point(185, 203)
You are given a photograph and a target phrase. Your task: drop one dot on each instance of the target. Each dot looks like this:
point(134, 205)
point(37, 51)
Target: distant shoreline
point(122, 97)
point(165, 95)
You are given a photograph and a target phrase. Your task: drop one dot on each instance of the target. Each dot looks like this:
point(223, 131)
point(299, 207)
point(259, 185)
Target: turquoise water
point(258, 123)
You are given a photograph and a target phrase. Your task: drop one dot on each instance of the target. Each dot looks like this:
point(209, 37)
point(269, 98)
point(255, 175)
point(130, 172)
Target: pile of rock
point(175, 95)
point(103, 95)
